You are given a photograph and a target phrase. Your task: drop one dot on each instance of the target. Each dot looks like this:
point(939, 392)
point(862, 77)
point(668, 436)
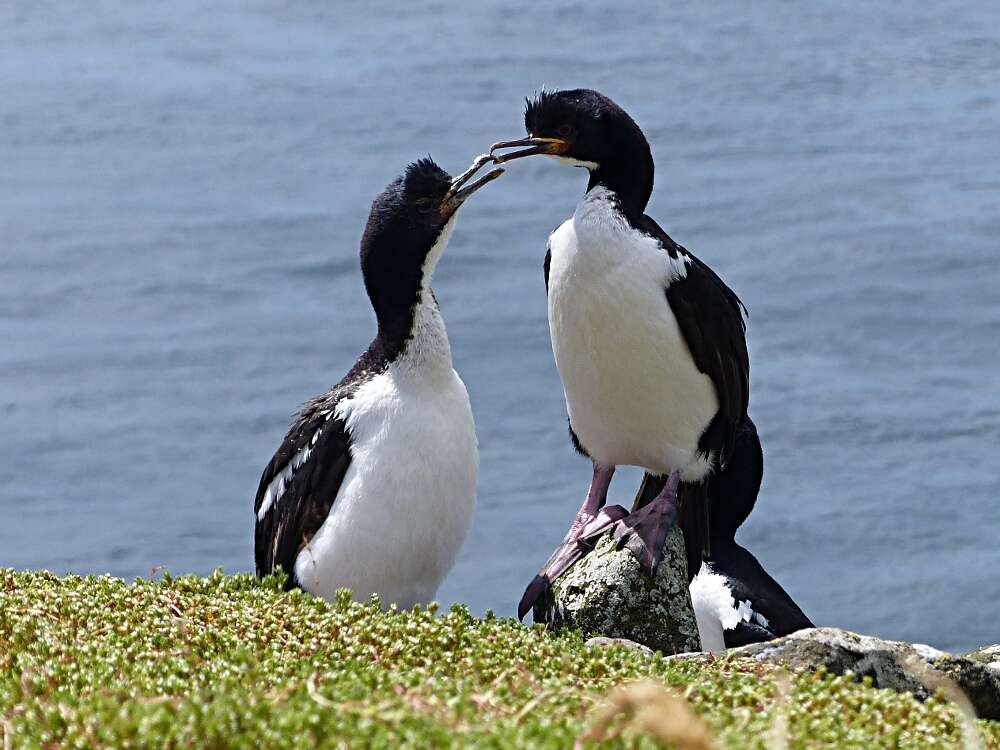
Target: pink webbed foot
point(567, 554)
point(591, 521)
point(644, 532)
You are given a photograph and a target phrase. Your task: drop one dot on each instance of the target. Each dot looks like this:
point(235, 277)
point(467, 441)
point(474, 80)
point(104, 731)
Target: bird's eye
point(424, 205)
point(565, 130)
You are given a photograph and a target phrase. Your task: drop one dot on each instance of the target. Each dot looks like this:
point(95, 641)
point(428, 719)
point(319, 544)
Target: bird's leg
point(597, 496)
point(591, 520)
point(644, 531)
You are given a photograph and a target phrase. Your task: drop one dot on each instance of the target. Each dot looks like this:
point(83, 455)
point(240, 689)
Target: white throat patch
point(434, 255)
point(574, 162)
point(428, 347)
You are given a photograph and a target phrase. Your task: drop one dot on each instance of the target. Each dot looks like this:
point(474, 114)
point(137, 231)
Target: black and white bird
point(735, 601)
point(649, 342)
point(374, 485)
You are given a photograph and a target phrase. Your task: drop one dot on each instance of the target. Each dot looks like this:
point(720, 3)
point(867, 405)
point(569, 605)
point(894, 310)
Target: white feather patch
point(714, 608)
point(281, 481)
point(574, 162)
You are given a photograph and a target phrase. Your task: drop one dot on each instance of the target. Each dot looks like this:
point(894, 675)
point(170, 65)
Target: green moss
point(229, 662)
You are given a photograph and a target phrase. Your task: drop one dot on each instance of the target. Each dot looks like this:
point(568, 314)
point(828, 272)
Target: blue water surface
point(182, 190)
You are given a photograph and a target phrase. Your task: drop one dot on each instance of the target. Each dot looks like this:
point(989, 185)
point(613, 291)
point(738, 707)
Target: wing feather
point(712, 320)
point(298, 487)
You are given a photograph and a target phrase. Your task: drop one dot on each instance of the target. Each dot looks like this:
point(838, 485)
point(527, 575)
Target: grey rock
point(978, 674)
point(605, 642)
point(607, 593)
point(896, 665)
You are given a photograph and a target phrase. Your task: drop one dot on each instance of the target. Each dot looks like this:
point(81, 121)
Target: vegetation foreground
point(230, 662)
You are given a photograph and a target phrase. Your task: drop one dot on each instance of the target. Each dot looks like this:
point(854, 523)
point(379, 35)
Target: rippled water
point(183, 187)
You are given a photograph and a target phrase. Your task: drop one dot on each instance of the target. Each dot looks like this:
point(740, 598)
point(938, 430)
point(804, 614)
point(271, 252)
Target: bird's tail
point(692, 518)
point(651, 487)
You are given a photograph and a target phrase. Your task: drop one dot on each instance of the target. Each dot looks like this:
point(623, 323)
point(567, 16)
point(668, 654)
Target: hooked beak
point(460, 191)
point(550, 146)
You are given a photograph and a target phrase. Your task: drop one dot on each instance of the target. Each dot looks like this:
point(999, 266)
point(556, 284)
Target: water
point(183, 187)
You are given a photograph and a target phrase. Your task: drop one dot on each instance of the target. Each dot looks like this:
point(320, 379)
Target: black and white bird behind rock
point(649, 342)
point(735, 601)
point(374, 485)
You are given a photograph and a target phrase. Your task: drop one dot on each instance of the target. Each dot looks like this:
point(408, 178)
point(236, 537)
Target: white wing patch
point(711, 596)
point(716, 610)
point(744, 611)
point(746, 614)
point(280, 482)
point(677, 268)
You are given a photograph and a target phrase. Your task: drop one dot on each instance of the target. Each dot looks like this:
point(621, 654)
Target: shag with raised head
point(373, 487)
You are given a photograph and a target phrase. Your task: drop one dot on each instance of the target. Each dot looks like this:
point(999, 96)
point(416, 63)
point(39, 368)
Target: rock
point(607, 593)
point(841, 651)
point(978, 674)
point(604, 642)
point(896, 665)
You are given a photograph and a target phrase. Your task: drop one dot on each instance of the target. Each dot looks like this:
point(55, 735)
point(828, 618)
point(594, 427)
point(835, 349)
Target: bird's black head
point(408, 228)
point(586, 129)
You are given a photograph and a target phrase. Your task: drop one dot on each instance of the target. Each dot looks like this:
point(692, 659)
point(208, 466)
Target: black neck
point(395, 330)
point(629, 175)
point(394, 299)
point(394, 333)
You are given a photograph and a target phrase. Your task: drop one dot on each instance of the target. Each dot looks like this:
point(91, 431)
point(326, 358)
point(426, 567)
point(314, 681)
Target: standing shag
point(649, 342)
point(374, 485)
point(735, 601)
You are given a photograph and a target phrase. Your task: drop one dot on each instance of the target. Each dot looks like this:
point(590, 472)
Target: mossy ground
point(227, 661)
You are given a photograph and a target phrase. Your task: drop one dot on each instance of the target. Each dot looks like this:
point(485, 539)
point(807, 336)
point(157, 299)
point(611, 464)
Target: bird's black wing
point(746, 633)
point(711, 319)
point(774, 610)
point(299, 488)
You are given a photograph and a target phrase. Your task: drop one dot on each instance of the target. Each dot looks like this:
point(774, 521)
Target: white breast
point(406, 502)
point(633, 392)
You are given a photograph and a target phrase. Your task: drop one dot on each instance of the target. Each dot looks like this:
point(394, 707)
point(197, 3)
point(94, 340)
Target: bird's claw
point(578, 543)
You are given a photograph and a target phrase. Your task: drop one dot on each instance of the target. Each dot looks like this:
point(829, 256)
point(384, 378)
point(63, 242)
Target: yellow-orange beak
point(550, 146)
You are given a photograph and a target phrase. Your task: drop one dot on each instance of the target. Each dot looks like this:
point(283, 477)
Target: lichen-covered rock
point(607, 593)
point(896, 665)
point(978, 674)
point(602, 641)
point(841, 651)
point(989, 655)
